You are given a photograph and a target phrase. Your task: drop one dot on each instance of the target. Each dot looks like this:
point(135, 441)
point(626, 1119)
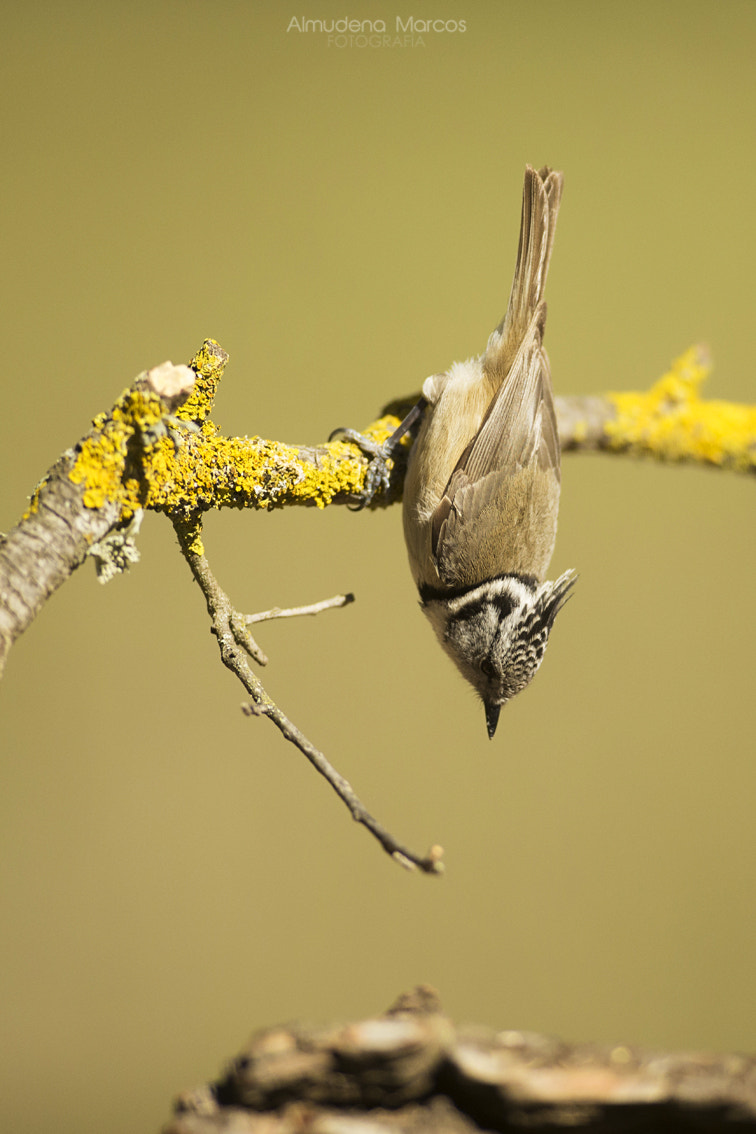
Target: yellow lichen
point(672, 422)
point(101, 457)
point(136, 427)
point(139, 456)
point(135, 457)
point(215, 471)
point(34, 500)
point(208, 364)
point(191, 534)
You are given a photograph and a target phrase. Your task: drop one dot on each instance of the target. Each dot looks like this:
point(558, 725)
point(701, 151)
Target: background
point(344, 220)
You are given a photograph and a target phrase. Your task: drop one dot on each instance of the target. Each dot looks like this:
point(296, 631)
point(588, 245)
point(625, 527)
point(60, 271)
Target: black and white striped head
point(496, 633)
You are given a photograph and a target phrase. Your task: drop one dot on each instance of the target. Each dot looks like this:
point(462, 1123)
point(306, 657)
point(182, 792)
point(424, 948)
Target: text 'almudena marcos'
point(346, 26)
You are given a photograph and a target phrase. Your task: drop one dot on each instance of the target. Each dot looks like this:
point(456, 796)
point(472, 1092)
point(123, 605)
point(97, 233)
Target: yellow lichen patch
point(208, 364)
point(138, 457)
point(100, 463)
point(34, 500)
point(380, 430)
point(191, 534)
point(211, 471)
point(672, 422)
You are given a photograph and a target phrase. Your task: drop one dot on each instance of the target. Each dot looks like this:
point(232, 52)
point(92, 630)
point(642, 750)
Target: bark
point(413, 1070)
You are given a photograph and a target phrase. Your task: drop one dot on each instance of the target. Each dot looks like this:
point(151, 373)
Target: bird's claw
point(378, 474)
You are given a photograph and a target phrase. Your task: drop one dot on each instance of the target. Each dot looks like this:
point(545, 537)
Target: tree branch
point(235, 645)
point(143, 455)
point(411, 1069)
point(159, 449)
point(670, 422)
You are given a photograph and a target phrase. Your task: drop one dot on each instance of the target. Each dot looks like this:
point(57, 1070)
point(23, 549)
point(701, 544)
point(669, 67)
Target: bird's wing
point(518, 439)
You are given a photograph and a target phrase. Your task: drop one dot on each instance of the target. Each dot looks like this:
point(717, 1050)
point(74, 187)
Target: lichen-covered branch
point(71, 514)
point(185, 472)
point(669, 422)
point(43, 550)
point(159, 449)
point(412, 1069)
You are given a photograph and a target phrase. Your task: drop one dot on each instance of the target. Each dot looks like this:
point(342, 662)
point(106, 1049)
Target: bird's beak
point(492, 718)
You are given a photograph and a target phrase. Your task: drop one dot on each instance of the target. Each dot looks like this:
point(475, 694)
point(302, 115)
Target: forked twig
point(237, 646)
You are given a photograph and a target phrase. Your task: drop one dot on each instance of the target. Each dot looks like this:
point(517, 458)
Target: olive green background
point(344, 221)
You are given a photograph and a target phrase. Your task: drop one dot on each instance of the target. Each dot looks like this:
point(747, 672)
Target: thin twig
point(294, 611)
point(228, 628)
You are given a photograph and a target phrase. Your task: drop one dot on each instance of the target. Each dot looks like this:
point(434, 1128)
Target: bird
point(481, 492)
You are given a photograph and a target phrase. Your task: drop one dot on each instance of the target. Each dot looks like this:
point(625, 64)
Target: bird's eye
point(487, 667)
